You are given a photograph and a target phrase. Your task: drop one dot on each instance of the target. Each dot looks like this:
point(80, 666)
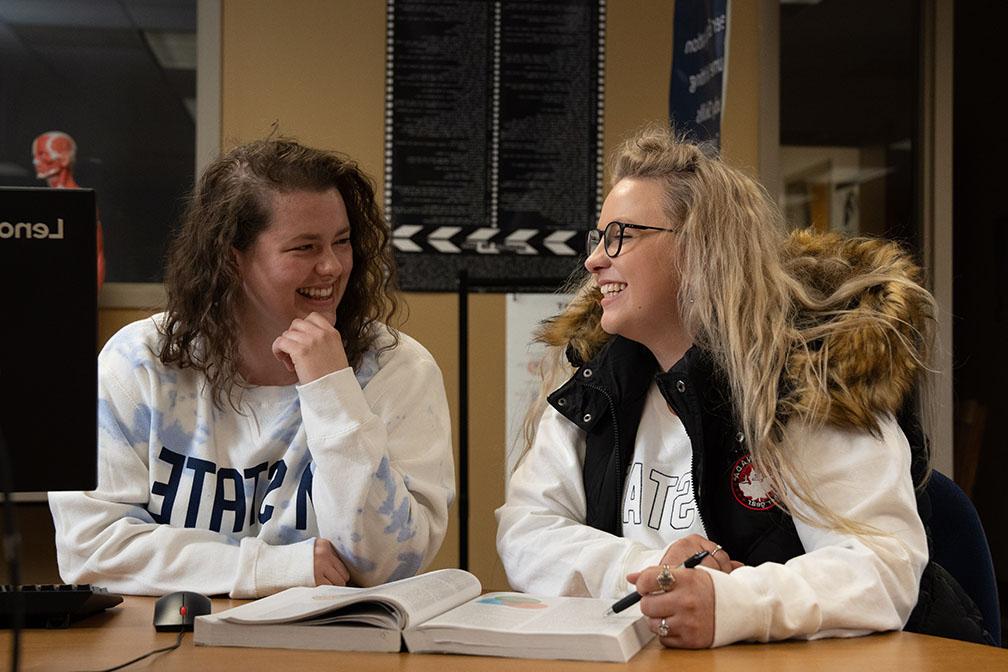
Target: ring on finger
point(663, 630)
point(665, 579)
point(716, 549)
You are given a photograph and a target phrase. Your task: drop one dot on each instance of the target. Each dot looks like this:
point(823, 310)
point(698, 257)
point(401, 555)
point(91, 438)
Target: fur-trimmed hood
point(873, 346)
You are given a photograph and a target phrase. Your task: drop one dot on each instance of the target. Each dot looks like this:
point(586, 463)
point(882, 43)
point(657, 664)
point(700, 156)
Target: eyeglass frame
point(594, 236)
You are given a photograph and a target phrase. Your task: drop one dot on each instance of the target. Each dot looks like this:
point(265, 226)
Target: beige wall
point(740, 127)
point(316, 68)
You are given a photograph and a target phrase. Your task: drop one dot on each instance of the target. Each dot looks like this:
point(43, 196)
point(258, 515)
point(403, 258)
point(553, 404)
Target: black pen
point(634, 597)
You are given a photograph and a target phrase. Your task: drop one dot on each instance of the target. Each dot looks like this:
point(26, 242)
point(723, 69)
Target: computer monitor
point(48, 337)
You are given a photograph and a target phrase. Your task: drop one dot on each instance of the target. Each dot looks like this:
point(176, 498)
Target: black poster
point(699, 63)
point(493, 137)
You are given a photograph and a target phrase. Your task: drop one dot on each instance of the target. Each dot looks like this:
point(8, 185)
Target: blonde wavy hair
point(764, 310)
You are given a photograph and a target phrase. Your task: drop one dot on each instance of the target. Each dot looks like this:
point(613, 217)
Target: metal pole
point(463, 495)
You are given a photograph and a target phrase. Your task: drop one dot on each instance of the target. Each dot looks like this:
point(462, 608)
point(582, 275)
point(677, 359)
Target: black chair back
point(960, 546)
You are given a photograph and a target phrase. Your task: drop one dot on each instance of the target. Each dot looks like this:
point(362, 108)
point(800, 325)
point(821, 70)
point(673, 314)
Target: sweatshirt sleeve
point(542, 538)
point(845, 584)
point(109, 538)
point(384, 474)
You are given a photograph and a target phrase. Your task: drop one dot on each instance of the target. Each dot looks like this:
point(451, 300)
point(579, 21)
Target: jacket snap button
point(561, 402)
point(587, 373)
point(680, 385)
point(740, 437)
point(587, 417)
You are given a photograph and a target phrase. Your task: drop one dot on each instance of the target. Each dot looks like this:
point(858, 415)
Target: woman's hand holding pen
point(685, 611)
point(682, 614)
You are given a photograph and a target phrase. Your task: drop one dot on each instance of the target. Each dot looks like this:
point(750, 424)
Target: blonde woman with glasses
point(735, 390)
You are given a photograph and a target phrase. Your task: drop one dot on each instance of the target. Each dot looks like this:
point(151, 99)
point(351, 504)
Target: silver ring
point(665, 579)
point(663, 630)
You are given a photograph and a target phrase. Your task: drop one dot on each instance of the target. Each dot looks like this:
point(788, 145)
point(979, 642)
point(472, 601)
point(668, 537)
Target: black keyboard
point(54, 605)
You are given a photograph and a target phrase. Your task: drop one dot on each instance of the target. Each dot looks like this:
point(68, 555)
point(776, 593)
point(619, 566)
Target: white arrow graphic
point(557, 242)
point(479, 240)
point(516, 241)
point(406, 245)
point(401, 238)
point(438, 239)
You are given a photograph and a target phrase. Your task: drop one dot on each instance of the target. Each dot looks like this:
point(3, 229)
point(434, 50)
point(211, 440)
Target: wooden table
point(122, 633)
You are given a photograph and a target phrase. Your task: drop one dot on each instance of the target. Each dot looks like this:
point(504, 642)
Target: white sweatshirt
point(842, 586)
point(192, 497)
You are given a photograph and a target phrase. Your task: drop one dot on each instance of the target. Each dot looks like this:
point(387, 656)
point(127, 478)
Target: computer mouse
point(178, 611)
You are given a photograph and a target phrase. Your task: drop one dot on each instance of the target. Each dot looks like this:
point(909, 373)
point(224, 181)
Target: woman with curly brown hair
point(731, 390)
point(272, 428)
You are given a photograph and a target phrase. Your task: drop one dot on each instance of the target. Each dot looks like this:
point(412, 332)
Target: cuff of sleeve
point(318, 409)
point(636, 559)
point(735, 616)
point(276, 568)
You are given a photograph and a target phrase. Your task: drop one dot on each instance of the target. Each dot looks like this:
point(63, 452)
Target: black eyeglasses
point(613, 236)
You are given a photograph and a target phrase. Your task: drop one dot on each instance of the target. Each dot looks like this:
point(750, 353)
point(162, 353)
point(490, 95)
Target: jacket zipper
point(693, 485)
point(692, 466)
point(616, 449)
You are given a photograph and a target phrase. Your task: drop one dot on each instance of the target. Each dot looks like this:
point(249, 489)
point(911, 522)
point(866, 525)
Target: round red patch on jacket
point(749, 487)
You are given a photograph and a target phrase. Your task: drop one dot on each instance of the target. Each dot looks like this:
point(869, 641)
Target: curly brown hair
point(228, 209)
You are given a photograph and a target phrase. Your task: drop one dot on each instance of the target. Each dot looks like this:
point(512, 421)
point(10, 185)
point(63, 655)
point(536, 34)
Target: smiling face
point(299, 264)
point(640, 286)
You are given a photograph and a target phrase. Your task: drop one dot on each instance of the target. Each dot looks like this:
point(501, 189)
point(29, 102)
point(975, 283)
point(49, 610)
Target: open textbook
point(440, 611)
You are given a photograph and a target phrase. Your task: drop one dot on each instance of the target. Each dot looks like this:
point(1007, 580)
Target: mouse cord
point(178, 642)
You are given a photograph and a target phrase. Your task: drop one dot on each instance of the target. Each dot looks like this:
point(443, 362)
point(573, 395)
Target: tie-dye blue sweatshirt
point(197, 498)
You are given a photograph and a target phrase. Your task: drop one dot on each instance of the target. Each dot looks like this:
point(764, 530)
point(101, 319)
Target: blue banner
point(699, 66)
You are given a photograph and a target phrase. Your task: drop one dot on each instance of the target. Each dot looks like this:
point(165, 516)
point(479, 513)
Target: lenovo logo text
point(29, 230)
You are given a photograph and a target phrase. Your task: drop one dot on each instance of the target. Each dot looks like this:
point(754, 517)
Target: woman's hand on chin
point(311, 347)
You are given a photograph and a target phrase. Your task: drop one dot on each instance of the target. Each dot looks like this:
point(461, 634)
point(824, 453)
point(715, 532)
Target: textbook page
point(525, 626)
point(337, 618)
point(403, 602)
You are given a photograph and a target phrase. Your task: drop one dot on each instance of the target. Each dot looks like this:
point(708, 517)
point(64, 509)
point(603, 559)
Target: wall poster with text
point(493, 137)
point(699, 68)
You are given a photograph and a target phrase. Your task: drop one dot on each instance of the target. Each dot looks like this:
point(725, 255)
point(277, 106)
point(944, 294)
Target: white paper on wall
point(523, 315)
